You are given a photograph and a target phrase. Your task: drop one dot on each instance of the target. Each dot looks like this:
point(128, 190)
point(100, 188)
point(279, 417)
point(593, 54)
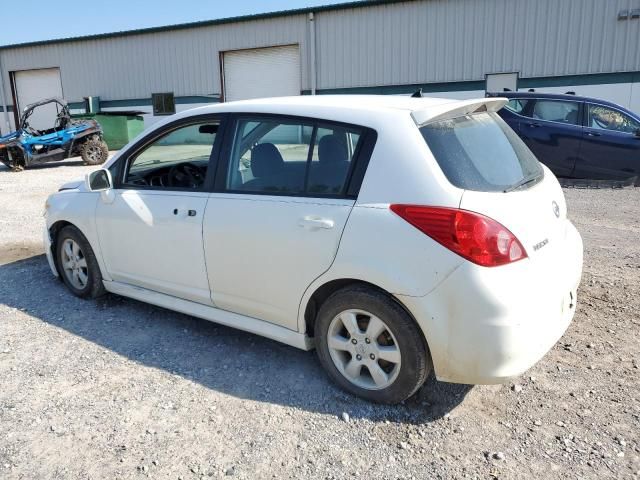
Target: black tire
point(415, 364)
point(94, 151)
point(94, 287)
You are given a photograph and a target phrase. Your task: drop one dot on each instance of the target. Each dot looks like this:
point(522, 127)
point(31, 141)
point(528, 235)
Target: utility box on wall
point(92, 105)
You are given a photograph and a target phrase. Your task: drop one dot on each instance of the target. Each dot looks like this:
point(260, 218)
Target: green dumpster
point(118, 128)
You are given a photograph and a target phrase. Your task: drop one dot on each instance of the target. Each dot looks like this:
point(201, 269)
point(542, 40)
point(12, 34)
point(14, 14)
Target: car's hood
point(77, 184)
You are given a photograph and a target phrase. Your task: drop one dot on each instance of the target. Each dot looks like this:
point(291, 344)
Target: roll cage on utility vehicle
point(66, 138)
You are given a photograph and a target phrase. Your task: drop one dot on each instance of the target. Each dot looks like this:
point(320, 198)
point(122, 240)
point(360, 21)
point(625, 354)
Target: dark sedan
point(575, 136)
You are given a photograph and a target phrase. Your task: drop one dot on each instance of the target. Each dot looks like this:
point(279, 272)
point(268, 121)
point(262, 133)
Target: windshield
point(480, 152)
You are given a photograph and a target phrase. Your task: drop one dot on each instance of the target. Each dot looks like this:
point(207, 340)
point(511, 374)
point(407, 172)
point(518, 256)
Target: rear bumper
point(488, 325)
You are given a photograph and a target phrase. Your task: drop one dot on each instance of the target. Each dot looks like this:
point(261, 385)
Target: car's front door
point(554, 133)
point(275, 221)
point(611, 145)
point(150, 229)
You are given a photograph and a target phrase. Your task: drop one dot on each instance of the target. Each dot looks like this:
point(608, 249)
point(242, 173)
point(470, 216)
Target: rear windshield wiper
point(522, 183)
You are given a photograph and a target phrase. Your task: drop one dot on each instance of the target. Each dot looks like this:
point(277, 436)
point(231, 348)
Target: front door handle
point(534, 125)
point(316, 223)
point(190, 213)
point(593, 134)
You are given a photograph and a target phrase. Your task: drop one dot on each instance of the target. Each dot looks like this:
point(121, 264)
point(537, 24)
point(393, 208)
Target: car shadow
point(44, 166)
point(220, 358)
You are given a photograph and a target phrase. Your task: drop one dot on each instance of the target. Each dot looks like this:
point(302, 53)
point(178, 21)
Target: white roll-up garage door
point(501, 82)
point(34, 85)
point(261, 72)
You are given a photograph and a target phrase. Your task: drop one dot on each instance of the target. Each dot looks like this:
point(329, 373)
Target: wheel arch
point(324, 291)
point(54, 230)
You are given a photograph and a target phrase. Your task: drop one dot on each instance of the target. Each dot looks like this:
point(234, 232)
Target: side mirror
point(99, 181)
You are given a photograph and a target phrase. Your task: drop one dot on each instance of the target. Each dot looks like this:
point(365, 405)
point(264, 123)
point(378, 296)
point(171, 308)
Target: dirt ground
point(120, 389)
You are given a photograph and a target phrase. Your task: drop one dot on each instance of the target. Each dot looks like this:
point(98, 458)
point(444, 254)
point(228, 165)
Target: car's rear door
point(611, 146)
point(150, 230)
point(284, 190)
point(554, 133)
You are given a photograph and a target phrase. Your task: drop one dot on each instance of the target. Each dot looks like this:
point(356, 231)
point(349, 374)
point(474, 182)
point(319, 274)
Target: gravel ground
point(120, 389)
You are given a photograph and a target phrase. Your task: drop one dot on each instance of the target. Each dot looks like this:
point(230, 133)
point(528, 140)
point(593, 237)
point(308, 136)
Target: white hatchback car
point(396, 235)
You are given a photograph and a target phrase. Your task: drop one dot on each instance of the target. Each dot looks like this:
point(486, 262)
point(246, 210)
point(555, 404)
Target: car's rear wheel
point(77, 264)
point(370, 346)
point(94, 151)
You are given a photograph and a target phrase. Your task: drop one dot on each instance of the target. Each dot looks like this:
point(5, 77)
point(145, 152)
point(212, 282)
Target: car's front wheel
point(77, 264)
point(370, 346)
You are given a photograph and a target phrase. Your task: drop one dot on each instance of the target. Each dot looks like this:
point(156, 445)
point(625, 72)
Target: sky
point(45, 20)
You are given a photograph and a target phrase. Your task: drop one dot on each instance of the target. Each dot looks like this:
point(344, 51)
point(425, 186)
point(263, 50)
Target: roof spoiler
point(457, 109)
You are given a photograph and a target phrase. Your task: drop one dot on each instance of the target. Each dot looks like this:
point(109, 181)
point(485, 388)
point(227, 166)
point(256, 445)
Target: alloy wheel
point(74, 264)
point(363, 349)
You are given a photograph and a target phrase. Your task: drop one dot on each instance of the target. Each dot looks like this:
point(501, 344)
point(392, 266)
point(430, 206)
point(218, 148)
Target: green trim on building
point(206, 23)
point(9, 108)
point(585, 79)
point(399, 89)
point(143, 102)
point(523, 83)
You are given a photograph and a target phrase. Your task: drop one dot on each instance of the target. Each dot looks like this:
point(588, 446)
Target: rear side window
point(291, 158)
point(557, 111)
point(333, 152)
point(516, 105)
point(480, 152)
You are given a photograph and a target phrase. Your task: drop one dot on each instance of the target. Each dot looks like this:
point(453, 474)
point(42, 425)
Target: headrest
point(333, 148)
point(266, 160)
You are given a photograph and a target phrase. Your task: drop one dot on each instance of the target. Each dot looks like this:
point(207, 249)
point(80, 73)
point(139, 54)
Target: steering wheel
point(186, 175)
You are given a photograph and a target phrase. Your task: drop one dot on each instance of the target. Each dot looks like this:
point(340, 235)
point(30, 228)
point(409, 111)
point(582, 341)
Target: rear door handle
point(316, 223)
point(534, 125)
point(593, 134)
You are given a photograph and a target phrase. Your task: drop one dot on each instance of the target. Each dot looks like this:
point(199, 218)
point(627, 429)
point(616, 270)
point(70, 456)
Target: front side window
point(604, 118)
point(178, 159)
point(290, 157)
point(557, 111)
point(480, 152)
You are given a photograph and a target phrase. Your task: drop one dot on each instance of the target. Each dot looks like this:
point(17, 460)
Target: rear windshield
point(480, 152)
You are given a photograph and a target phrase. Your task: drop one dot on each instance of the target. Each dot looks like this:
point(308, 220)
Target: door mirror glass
point(99, 180)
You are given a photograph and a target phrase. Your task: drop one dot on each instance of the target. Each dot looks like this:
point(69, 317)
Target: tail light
point(473, 236)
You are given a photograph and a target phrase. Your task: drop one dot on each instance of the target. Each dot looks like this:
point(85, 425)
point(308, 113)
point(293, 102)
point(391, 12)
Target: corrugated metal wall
point(459, 40)
point(400, 43)
point(183, 61)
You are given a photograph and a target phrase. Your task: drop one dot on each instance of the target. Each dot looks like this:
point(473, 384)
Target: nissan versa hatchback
point(398, 236)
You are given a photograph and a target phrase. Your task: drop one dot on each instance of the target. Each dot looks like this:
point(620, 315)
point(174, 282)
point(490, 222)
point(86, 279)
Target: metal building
point(456, 48)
